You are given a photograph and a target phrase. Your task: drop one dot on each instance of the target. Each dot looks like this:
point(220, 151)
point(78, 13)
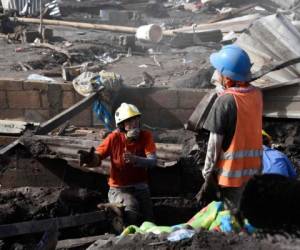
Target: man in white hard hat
point(132, 152)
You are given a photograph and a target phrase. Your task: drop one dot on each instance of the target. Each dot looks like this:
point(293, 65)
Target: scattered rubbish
point(181, 234)
point(107, 59)
point(37, 77)
point(143, 66)
point(68, 44)
point(150, 32)
point(287, 4)
point(52, 9)
point(148, 80)
point(224, 10)
point(23, 7)
point(19, 49)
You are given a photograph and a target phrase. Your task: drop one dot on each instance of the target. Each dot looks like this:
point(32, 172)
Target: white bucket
point(150, 32)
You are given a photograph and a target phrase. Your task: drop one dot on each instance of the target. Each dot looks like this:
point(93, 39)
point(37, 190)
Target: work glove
point(209, 190)
point(129, 158)
point(88, 158)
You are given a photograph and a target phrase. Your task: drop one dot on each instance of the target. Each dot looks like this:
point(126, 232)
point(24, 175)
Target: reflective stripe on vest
point(238, 173)
point(241, 154)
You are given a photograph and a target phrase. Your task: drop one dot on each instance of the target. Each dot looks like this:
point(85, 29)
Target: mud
point(272, 202)
point(201, 240)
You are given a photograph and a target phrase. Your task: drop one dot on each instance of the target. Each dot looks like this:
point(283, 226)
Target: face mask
point(133, 134)
point(219, 88)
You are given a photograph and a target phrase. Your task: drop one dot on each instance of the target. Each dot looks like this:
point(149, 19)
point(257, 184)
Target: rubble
point(41, 179)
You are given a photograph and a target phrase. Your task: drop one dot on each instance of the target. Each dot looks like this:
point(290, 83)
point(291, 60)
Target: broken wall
point(38, 101)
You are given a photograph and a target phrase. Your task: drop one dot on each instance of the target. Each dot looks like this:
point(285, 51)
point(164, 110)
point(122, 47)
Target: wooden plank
point(67, 147)
point(232, 13)
point(235, 24)
point(80, 242)
point(14, 127)
point(112, 28)
point(29, 227)
point(67, 114)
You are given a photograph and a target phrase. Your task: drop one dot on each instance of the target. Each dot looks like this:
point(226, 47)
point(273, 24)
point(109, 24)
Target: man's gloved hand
point(200, 196)
point(129, 158)
point(208, 191)
point(88, 158)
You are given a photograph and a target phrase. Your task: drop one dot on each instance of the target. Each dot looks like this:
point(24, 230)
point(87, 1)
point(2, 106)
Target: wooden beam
point(81, 242)
point(113, 28)
point(30, 227)
point(67, 114)
point(67, 147)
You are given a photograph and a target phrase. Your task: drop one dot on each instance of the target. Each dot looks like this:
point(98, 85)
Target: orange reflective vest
point(243, 157)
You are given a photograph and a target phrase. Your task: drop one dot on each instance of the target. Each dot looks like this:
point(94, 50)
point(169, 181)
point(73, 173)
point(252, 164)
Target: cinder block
point(189, 98)
point(16, 114)
point(174, 118)
point(68, 99)
point(36, 115)
point(3, 100)
point(31, 85)
point(160, 98)
point(134, 96)
point(67, 86)
point(83, 119)
point(11, 84)
point(45, 99)
point(24, 99)
point(151, 117)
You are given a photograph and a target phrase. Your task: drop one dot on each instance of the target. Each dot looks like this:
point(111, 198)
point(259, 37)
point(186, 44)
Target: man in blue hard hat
point(235, 123)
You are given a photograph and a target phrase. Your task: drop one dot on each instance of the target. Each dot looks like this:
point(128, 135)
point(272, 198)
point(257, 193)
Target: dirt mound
point(272, 201)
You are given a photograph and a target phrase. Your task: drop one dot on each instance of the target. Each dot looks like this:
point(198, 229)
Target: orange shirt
point(115, 145)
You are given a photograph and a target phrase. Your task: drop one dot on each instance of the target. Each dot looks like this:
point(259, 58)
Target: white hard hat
point(126, 111)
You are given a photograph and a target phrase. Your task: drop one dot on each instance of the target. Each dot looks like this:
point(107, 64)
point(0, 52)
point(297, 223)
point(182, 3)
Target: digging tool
point(198, 117)
point(54, 122)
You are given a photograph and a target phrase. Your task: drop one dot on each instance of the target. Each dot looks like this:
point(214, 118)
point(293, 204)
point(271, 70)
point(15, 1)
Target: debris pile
point(90, 52)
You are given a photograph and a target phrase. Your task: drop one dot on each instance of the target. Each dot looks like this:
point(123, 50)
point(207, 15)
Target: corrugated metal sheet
point(286, 4)
point(20, 4)
point(269, 39)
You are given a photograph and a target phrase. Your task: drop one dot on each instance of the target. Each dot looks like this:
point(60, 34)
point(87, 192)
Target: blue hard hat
point(233, 62)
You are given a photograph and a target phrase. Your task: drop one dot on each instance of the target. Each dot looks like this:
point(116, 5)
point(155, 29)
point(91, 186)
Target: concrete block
point(68, 99)
point(134, 96)
point(11, 84)
point(189, 98)
point(31, 85)
point(24, 99)
point(121, 17)
point(174, 118)
point(66, 86)
point(36, 115)
point(3, 100)
point(45, 100)
point(84, 118)
point(16, 114)
point(182, 40)
point(161, 98)
point(151, 117)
